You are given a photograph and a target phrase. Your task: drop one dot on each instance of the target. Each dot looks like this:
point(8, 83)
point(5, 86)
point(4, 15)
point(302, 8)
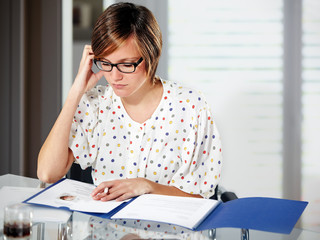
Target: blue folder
point(259, 213)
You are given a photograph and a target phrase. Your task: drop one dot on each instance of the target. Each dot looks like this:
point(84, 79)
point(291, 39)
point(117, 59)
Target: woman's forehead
point(127, 50)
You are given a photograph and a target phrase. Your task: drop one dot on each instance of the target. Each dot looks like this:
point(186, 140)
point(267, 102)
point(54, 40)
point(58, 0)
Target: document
point(12, 195)
point(259, 213)
point(72, 195)
point(183, 211)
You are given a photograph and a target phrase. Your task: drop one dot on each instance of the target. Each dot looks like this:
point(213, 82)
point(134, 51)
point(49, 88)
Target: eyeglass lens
point(122, 67)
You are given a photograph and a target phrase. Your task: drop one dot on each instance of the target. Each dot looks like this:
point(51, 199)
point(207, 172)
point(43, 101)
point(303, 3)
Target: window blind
point(232, 51)
point(311, 112)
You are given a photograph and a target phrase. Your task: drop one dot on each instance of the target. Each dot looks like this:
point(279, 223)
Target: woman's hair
point(121, 21)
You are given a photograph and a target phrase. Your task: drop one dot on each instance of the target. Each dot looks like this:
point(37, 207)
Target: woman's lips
point(119, 86)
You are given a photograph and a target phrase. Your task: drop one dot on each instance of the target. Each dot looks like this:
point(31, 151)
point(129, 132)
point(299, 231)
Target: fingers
point(100, 189)
point(117, 190)
point(121, 189)
point(86, 78)
point(119, 195)
point(87, 55)
point(124, 197)
point(99, 195)
point(87, 50)
point(87, 58)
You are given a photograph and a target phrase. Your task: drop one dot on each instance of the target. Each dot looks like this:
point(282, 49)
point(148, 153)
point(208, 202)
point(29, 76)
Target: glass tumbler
point(17, 222)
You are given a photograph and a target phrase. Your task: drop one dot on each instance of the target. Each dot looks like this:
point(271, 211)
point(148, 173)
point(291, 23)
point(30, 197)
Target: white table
point(17, 189)
point(18, 181)
point(80, 221)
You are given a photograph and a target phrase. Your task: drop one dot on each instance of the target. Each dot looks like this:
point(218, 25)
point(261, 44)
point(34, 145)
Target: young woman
point(140, 134)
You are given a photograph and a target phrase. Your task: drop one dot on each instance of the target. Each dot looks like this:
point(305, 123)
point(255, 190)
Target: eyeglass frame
point(136, 64)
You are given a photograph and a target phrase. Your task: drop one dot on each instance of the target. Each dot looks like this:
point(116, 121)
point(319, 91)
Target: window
point(233, 54)
point(311, 112)
point(233, 51)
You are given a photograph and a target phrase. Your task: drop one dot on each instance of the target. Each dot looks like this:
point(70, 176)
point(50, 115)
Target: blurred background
point(256, 61)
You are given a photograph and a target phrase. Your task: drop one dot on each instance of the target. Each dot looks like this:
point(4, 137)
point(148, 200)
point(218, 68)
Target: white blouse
point(179, 145)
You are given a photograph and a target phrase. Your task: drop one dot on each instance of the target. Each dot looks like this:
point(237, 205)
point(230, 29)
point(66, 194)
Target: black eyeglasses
point(122, 67)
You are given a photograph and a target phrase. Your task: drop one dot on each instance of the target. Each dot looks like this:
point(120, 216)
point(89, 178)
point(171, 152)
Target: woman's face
point(127, 85)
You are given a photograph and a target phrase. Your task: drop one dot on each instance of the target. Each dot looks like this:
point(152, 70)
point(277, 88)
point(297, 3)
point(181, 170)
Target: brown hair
point(118, 23)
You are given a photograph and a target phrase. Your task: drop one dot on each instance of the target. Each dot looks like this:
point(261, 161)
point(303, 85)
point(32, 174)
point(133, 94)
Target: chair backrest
point(76, 173)
point(215, 196)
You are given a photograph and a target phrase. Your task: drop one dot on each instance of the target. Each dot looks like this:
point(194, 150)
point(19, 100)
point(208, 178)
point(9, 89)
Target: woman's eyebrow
point(131, 59)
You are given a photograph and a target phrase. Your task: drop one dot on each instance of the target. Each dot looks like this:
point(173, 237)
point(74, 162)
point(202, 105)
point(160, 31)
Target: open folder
point(259, 213)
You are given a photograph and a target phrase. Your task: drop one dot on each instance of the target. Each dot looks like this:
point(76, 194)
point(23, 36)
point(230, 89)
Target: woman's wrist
point(157, 188)
point(76, 92)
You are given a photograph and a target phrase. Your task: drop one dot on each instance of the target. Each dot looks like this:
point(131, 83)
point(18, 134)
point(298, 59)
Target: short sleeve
point(84, 134)
point(201, 160)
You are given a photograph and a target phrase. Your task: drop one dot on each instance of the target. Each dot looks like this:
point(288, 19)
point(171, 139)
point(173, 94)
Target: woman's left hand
point(122, 189)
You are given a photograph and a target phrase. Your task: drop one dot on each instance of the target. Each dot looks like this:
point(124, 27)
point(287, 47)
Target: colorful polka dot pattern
point(179, 145)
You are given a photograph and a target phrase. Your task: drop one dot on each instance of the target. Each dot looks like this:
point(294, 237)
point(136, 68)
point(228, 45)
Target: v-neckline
point(123, 112)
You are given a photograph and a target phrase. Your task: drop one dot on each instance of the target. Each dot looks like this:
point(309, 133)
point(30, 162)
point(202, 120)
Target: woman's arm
point(127, 188)
point(55, 157)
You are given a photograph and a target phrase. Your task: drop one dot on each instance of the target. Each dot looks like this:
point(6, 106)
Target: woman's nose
point(116, 74)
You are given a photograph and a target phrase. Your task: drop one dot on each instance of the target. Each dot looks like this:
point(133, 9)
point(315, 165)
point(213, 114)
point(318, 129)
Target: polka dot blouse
point(179, 145)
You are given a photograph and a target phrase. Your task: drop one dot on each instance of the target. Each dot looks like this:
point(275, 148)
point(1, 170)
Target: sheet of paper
point(73, 195)
point(11, 195)
point(182, 211)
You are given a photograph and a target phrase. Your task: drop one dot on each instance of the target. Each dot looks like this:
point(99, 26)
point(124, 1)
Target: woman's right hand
point(86, 78)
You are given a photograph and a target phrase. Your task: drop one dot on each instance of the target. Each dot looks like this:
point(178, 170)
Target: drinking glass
point(17, 222)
